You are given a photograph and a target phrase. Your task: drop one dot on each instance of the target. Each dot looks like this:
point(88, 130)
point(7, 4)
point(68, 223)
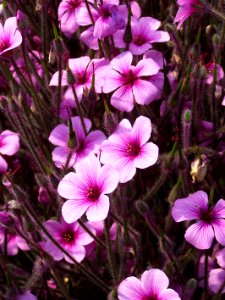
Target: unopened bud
point(110, 122)
point(43, 196)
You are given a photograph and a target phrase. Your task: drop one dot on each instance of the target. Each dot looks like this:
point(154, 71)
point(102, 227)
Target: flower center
point(207, 215)
point(68, 237)
point(93, 193)
point(130, 78)
point(104, 11)
point(75, 3)
point(139, 40)
point(81, 78)
point(152, 297)
point(3, 45)
point(133, 150)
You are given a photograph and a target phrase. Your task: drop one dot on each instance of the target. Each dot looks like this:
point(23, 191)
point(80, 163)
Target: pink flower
point(26, 296)
point(186, 9)
point(131, 83)
point(83, 69)
point(210, 221)
point(14, 240)
point(10, 36)
point(72, 237)
point(128, 148)
point(153, 285)
point(86, 190)
point(217, 276)
point(9, 145)
point(144, 33)
point(69, 13)
point(84, 145)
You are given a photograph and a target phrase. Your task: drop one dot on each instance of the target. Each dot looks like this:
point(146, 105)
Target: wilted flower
point(210, 221)
point(128, 148)
point(153, 285)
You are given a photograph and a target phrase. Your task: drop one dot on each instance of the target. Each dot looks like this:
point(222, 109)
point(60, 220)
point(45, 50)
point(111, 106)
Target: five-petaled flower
point(128, 148)
point(210, 221)
point(86, 190)
point(72, 237)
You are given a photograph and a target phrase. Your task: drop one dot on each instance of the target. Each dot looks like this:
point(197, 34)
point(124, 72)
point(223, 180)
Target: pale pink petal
point(3, 165)
point(93, 141)
point(139, 49)
point(89, 39)
point(190, 208)
point(142, 129)
point(12, 248)
point(154, 281)
point(147, 157)
point(131, 289)
point(122, 62)
point(12, 32)
point(104, 27)
point(78, 65)
point(52, 249)
point(216, 280)
point(88, 170)
point(169, 294)
point(71, 187)
point(77, 252)
point(146, 67)
point(156, 56)
point(9, 142)
point(135, 9)
point(60, 157)
point(123, 99)
point(22, 244)
point(113, 81)
point(98, 210)
point(144, 92)
point(72, 210)
point(82, 237)
point(219, 228)
point(158, 36)
point(220, 257)
point(153, 24)
point(55, 79)
point(83, 17)
point(78, 128)
point(109, 178)
point(59, 136)
point(53, 227)
point(200, 235)
point(219, 209)
point(118, 39)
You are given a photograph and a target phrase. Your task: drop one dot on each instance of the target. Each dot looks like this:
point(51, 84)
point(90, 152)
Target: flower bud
point(43, 196)
point(199, 168)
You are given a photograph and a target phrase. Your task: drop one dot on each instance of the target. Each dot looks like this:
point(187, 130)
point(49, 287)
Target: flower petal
point(144, 92)
point(154, 281)
point(216, 280)
point(98, 210)
point(142, 129)
point(72, 210)
point(200, 235)
point(131, 289)
point(59, 135)
point(147, 157)
point(123, 99)
point(169, 294)
point(219, 228)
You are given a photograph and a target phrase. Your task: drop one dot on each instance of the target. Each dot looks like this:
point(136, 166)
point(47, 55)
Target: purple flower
point(10, 37)
point(26, 296)
point(153, 285)
point(9, 145)
point(86, 190)
point(144, 33)
point(131, 83)
point(72, 237)
point(217, 276)
point(83, 147)
point(210, 221)
point(186, 9)
point(128, 148)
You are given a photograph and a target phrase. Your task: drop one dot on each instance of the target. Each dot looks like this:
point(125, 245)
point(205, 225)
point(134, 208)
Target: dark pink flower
point(9, 145)
point(84, 144)
point(130, 83)
point(72, 237)
point(210, 221)
point(153, 285)
point(128, 148)
point(86, 190)
point(144, 33)
point(10, 37)
point(186, 9)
